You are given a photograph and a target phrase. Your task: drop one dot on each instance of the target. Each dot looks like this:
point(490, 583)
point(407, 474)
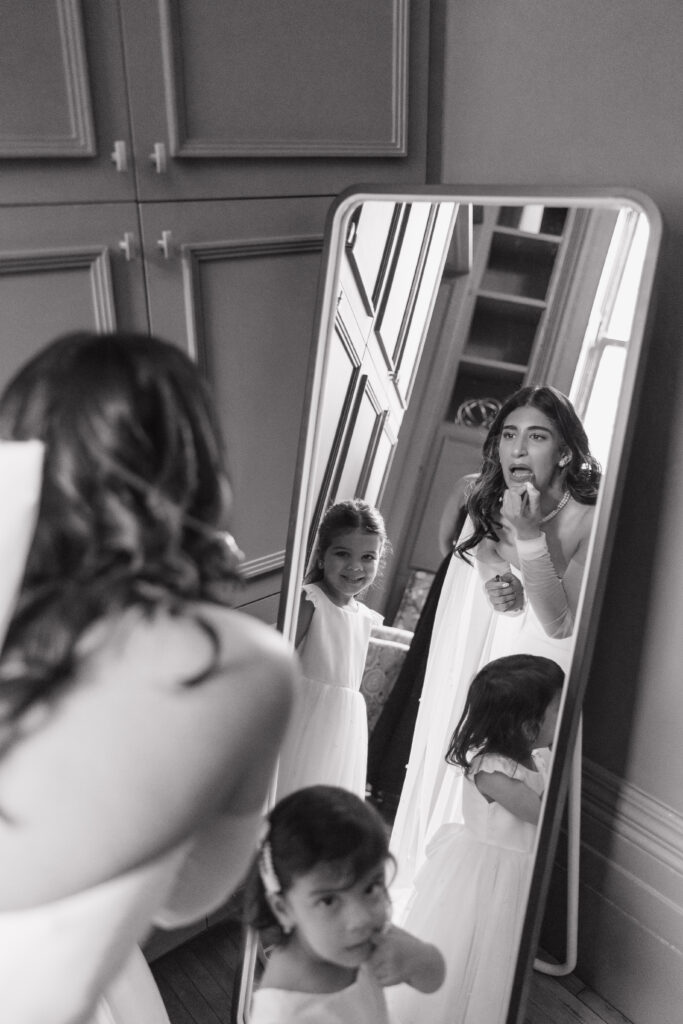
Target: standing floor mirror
point(434, 305)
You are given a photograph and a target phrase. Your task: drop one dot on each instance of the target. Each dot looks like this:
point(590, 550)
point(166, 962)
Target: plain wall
point(590, 93)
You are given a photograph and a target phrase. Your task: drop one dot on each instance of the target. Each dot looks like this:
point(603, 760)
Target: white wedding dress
point(467, 634)
point(77, 960)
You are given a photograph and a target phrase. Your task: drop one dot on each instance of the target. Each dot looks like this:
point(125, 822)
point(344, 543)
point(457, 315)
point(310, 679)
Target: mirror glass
point(435, 305)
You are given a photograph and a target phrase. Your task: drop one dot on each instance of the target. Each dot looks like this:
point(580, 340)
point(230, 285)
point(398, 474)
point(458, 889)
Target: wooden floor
point(198, 983)
point(568, 1001)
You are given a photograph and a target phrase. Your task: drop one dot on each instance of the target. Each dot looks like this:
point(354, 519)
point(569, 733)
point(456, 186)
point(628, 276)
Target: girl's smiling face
point(335, 920)
point(350, 564)
point(530, 449)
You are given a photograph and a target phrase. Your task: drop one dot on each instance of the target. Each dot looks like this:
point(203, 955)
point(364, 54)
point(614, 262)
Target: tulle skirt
point(327, 740)
point(469, 900)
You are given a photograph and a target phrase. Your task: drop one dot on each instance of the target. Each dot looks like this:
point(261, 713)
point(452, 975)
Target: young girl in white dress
point(317, 891)
point(327, 740)
point(470, 895)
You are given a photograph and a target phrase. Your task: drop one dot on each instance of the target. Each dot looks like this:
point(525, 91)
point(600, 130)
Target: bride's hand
point(521, 511)
point(505, 593)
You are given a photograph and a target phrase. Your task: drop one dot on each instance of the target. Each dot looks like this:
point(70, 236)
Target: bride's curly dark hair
point(134, 499)
point(581, 477)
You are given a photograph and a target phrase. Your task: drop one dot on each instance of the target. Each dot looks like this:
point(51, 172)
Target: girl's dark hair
point(581, 477)
point(313, 826)
point(133, 504)
point(505, 698)
point(343, 517)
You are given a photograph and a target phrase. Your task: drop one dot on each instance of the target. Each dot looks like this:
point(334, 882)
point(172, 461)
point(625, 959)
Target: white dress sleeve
point(494, 763)
point(312, 593)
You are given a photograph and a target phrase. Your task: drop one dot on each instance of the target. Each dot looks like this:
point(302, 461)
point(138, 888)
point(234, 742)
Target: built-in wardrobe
point(167, 167)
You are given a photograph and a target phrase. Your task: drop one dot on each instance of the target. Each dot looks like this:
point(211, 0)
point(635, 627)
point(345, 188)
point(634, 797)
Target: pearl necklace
point(558, 508)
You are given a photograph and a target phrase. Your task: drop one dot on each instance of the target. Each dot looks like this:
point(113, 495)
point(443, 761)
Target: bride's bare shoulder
point(177, 647)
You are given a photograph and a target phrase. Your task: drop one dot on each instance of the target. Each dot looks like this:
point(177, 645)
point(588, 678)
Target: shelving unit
point(520, 253)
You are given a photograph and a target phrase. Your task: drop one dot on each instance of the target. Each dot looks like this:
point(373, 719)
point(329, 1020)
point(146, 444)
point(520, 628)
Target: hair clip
point(232, 545)
point(266, 868)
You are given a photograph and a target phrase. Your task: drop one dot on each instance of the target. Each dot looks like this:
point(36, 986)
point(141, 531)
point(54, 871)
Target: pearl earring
point(565, 460)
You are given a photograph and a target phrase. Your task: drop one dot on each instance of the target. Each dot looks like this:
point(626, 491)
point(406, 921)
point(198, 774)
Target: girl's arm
point(402, 957)
point(303, 622)
point(512, 794)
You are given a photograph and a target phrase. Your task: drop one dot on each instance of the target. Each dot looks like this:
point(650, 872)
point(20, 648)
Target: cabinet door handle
point(127, 245)
point(119, 156)
point(165, 245)
point(158, 157)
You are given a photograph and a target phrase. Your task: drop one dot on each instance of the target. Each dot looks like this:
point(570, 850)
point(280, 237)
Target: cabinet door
point(63, 104)
point(61, 269)
point(236, 288)
point(279, 97)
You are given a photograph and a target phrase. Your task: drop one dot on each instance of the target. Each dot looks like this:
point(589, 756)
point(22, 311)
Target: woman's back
point(132, 760)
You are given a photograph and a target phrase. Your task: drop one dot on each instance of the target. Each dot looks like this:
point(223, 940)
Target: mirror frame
point(303, 502)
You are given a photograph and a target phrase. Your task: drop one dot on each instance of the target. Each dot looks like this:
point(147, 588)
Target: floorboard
point(198, 983)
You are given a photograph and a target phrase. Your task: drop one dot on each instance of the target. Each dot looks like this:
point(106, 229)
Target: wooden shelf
point(531, 236)
point(510, 299)
point(483, 381)
point(519, 265)
point(491, 367)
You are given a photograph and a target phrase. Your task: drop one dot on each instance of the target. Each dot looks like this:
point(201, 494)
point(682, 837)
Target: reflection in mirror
point(434, 308)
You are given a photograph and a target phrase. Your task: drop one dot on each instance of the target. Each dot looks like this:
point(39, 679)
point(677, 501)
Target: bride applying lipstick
point(532, 508)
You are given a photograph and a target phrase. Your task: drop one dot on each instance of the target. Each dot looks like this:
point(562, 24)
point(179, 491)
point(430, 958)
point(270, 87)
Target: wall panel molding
point(277, 74)
point(94, 260)
point(78, 138)
point(631, 896)
point(194, 254)
point(264, 565)
point(654, 829)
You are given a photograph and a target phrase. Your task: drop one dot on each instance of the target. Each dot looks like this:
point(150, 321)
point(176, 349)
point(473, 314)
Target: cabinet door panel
point(61, 269)
point(63, 104)
point(238, 293)
point(276, 97)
